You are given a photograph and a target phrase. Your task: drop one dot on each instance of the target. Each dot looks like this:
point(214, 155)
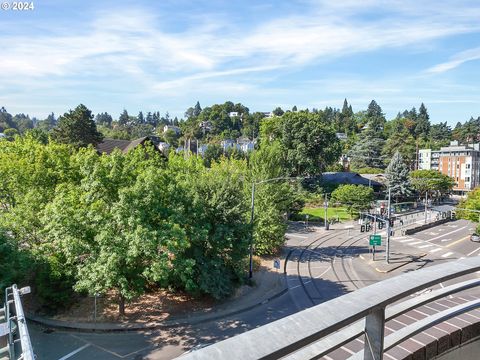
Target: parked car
point(475, 237)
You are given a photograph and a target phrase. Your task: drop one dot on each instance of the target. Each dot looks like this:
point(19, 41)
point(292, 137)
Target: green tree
point(431, 181)
point(355, 197)
point(472, 202)
point(273, 199)
point(309, 144)
point(278, 111)
point(397, 174)
point(404, 143)
point(375, 117)
point(367, 152)
point(77, 128)
point(48, 124)
point(422, 128)
point(104, 119)
point(440, 134)
point(10, 133)
point(213, 153)
point(124, 118)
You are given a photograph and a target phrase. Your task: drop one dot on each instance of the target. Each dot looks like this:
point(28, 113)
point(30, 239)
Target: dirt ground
point(154, 306)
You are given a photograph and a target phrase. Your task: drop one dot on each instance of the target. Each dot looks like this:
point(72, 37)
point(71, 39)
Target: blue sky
point(165, 55)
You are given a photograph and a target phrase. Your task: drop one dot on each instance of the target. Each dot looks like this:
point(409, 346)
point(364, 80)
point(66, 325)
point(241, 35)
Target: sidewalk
point(268, 285)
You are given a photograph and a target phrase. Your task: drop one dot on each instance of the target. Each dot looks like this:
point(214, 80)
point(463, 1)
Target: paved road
point(329, 267)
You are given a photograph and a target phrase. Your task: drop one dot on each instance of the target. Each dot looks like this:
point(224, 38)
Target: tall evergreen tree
point(124, 118)
point(77, 128)
point(140, 118)
point(197, 109)
point(375, 117)
point(422, 128)
point(367, 152)
point(397, 174)
point(104, 119)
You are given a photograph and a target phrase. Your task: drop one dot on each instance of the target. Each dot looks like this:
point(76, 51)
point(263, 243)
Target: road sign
point(276, 263)
point(375, 240)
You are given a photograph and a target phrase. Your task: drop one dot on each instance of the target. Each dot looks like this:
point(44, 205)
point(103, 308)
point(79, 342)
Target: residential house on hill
point(177, 130)
point(107, 146)
point(343, 178)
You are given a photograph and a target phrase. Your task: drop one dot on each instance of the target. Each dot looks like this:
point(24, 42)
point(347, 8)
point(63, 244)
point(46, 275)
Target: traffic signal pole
point(388, 227)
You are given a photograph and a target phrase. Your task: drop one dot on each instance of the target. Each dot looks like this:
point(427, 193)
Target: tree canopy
point(77, 128)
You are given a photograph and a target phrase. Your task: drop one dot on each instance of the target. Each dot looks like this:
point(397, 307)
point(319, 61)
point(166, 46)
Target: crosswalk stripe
point(416, 242)
point(424, 246)
point(447, 254)
point(435, 250)
point(407, 240)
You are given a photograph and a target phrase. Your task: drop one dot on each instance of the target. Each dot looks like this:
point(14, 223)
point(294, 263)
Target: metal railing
point(17, 324)
point(321, 329)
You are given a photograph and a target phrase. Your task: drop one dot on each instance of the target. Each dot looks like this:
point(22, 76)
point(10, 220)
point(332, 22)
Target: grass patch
point(318, 213)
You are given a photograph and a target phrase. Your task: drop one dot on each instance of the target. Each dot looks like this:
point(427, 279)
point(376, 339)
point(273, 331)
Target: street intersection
point(320, 265)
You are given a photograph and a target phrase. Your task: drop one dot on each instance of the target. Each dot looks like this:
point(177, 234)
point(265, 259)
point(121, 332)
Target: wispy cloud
point(456, 60)
point(135, 53)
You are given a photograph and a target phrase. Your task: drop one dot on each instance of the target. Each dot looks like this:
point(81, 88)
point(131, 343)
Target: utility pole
point(426, 205)
point(326, 208)
point(388, 226)
point(250, 272)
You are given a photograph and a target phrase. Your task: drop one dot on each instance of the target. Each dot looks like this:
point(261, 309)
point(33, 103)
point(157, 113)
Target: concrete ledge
point(187, 320)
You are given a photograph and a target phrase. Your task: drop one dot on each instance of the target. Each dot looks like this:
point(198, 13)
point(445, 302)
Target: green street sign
point(375, 240)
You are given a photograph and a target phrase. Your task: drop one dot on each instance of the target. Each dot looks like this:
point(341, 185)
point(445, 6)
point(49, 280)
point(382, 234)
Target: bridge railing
point(15, 325)
point(318, 330)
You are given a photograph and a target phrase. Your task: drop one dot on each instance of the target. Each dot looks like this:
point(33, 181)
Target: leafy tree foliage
point(213, 153)
point(397, 174)
point(273, 199)
point(77, 128)
point(355, 197)
point(472, 202)
point(104, 119)
point(431, 181)
point(308, 143)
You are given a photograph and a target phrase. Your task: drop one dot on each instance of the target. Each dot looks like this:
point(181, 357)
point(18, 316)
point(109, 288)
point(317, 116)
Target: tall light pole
point(252, 214)
point(326, 211)
point(388, 225)
point(426, 205)
point(250, 272)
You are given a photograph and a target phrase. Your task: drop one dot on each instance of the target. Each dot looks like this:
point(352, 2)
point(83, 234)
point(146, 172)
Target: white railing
point(316, 331)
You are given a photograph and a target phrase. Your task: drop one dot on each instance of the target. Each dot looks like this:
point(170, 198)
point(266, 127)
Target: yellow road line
point(456, 242)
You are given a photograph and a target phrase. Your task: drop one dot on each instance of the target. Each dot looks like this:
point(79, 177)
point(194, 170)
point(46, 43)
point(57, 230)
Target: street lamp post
point(250, 272)
point(326, 211)
point(388, 226)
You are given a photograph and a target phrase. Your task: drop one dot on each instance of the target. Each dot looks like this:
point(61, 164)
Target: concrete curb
point(113, 327)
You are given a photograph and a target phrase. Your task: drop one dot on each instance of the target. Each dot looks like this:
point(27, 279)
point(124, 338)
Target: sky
point(167, 55)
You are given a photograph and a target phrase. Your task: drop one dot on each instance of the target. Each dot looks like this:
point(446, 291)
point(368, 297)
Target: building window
point(467, 179)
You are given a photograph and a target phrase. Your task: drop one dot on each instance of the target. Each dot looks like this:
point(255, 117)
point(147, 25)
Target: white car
point(475, 237)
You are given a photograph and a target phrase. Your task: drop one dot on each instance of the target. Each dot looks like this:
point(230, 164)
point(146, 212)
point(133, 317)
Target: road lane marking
point(435, 250)
point(445, 240)
point(416, 242)
point(323, 273)
point(425, 246)
point(474, 251)
point(69, 355)
point(408, 240)
point(456, 242)
point(447, 254)
point(451, 232)
point(298, 236)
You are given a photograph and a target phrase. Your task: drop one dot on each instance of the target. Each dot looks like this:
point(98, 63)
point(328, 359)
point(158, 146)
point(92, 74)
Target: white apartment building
point(460, 162)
